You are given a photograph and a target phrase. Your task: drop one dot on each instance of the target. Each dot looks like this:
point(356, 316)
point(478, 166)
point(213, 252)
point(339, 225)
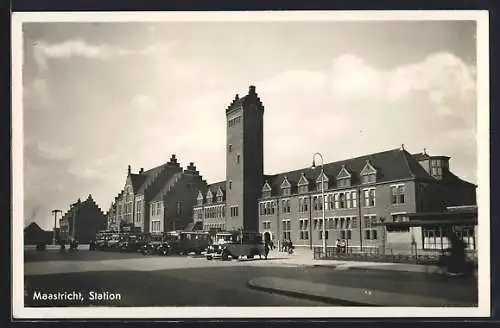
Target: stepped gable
point(251, 98)
point(391, 165)
point(92, 202)
point(154, 173)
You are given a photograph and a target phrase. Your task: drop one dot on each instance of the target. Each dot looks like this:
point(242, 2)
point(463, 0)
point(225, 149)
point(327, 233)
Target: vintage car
point(248, 244)
point(185, 242)
point(130, 243)
point(113, 242)
point(214, 250)
point(101, 240)
point(152, 244)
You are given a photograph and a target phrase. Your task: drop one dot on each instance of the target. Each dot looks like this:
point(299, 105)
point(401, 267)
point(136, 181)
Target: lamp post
point(322, 197)
point(55, 225)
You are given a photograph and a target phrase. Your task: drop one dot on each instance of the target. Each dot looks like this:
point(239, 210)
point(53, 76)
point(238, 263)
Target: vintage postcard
point(250, 164)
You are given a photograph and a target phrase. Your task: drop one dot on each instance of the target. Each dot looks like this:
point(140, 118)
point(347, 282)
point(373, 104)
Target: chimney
point(141, 171)
point(129, 169)
point(173, 160)
point(251, 90)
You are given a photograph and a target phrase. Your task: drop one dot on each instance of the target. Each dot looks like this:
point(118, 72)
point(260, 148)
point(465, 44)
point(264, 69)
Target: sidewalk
point(303, 256)
point(346, 296)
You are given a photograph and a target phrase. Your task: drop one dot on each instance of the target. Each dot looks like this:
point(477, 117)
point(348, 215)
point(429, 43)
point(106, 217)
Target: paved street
point(184, 281)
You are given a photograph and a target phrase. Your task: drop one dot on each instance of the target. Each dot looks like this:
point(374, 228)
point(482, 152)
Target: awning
point(425, 223)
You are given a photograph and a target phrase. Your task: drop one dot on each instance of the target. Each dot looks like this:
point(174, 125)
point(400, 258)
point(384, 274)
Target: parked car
point(214, 250)
point(185, 242)
point(113, 242)
point(248, 244)
point(152, 244)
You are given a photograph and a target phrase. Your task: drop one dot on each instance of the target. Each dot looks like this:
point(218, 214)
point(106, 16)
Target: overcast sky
point(98, 97)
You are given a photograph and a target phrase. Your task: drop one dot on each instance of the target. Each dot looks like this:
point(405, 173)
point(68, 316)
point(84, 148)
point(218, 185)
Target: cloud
point(81, 48)
point(354, 108)
point(48, 151)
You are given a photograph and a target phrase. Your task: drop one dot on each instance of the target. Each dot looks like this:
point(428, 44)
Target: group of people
point(287, 246)
point(341, 246)
point(73, 245)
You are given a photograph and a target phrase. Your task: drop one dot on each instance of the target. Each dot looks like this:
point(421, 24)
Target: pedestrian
point(290, 247)
point(266, 250)
point(457, 257)
point(342, 246)
point(337, 246)
point(271, 244)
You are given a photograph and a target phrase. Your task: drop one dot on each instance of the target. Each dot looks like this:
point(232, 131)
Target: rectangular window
point(303, 228)
point(287, 227)
point(398, 194)
point(342, 200)
point(238, 159)
point(155, 226)
point(230, 148)
point(369, 197)
point(354, 196)
point(370, 230)
point(321, 235)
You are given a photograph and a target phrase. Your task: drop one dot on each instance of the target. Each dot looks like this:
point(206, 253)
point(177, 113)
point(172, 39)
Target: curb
point(329, 300)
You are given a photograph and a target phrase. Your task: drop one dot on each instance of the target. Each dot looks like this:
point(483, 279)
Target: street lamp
point(322, 197)
point(55, 224)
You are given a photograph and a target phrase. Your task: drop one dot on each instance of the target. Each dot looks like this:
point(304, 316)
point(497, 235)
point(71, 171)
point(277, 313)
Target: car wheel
point(209, 258)
point(249, 256)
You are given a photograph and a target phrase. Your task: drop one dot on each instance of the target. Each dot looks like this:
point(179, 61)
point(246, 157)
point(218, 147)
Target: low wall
point(422, 257)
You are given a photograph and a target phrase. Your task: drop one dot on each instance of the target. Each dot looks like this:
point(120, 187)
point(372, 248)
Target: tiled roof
point(153, 173)
point(421, 156)
point(137, 181)
point(168, 185)
point(150, 176)
point(391, 165)
point(215, 186)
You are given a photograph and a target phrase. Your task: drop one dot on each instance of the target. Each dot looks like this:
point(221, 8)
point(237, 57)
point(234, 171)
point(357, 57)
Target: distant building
point(34, 235)
point(157, 200)
point(82, 221)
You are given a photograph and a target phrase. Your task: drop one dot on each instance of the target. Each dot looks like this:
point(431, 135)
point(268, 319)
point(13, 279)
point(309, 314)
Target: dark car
point(152, 245)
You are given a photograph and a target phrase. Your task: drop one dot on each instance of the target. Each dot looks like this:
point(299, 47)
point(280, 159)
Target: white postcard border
point(483, 193)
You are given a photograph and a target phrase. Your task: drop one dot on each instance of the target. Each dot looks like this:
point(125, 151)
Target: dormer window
point(322, 181)
point(210, 197)
point(199, 199)
point(436, 168)
point(368, 174)
point(220, 195)
point(285, 187)
point(344, 178)
point(266, 190)
point(303, 184)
